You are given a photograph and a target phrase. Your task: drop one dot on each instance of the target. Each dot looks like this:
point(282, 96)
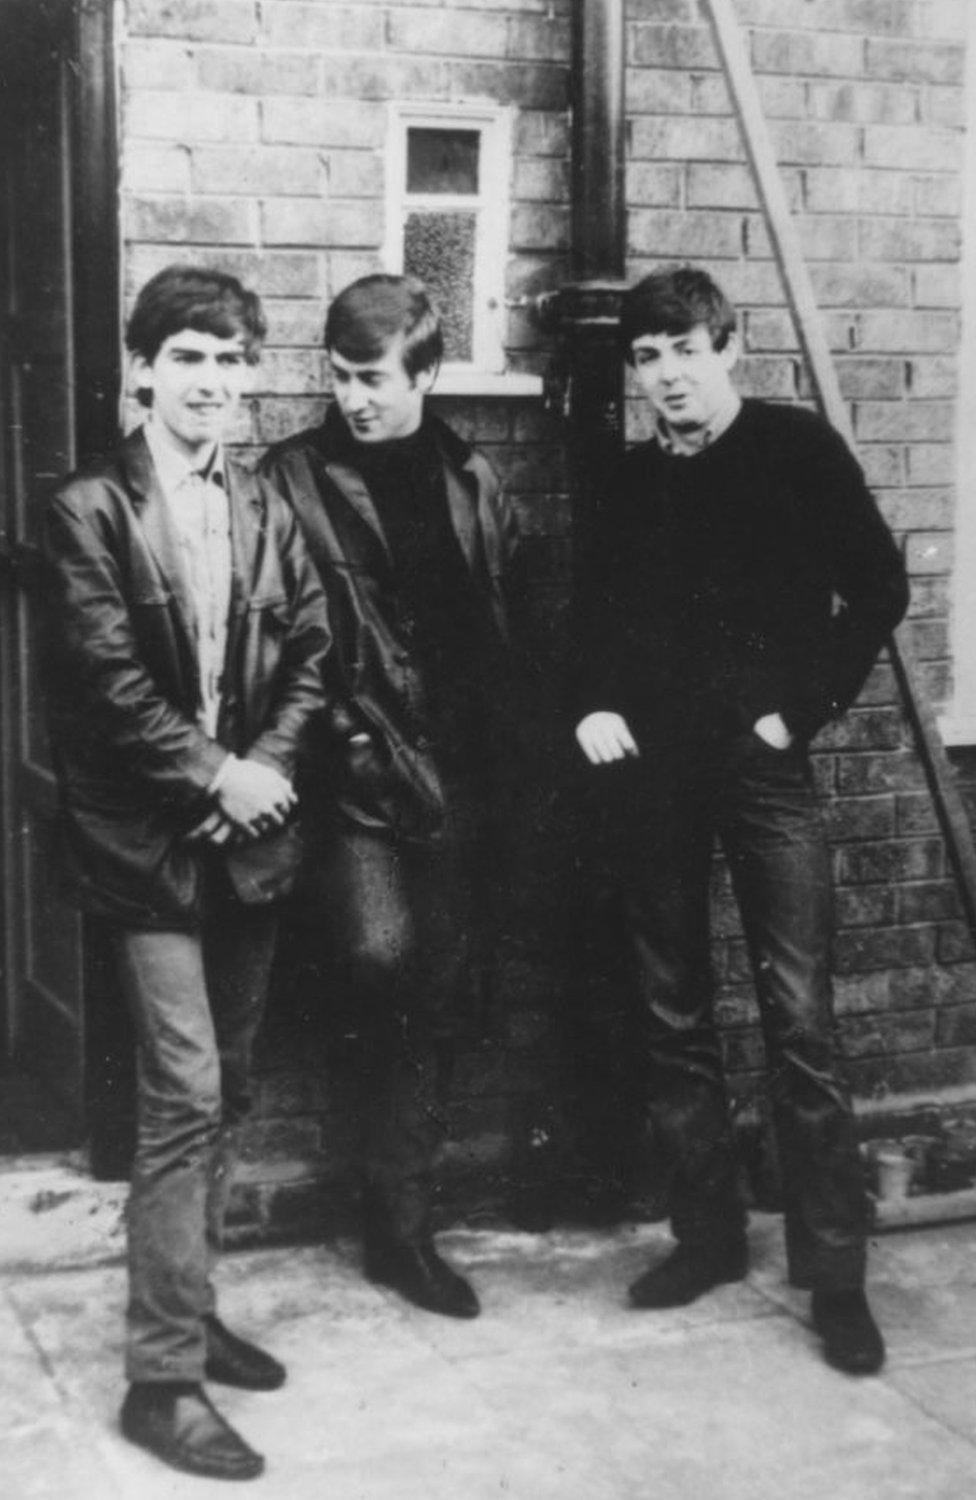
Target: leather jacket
point(133, 765)
point(376, 763)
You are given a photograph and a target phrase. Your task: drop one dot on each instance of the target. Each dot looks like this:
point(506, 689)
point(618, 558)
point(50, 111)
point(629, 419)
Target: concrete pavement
point(558, 1391)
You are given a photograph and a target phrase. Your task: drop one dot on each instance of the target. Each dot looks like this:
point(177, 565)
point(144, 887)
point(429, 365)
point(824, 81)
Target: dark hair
point(207, 301)
point(673, 300)
point(372, 311)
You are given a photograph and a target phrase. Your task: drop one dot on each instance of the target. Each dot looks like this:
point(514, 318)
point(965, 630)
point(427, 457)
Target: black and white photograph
point(488, 749)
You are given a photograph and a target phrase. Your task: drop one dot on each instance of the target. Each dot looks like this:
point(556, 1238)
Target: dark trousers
point(406, 922)
point(761, 805)
point(196, 1000)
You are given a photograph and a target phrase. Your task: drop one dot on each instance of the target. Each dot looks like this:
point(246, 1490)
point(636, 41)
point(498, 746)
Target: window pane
point(442, 161)
point(439, 248)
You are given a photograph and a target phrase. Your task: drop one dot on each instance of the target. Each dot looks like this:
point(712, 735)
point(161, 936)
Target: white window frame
point(485, 372)
point(958, 724)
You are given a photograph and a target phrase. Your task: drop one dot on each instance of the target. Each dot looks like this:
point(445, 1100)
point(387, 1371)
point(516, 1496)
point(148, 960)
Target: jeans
point(196, 1000)
point(761, 805)
point(406, 924)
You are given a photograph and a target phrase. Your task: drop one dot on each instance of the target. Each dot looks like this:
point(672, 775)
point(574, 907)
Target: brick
point(190, 118)
point(545, 179)
point(860, 818)
point(211, 221)
point(815, 144)
point(691, 236)
point(749, 283)
point(956, 943)
point(957, 1027)
point(540, 227)
point(294, 322)
point(822, 237)
point(770, 330)
point(727, 186)
point(867, 1036)
point(279, 416)
point(653, 185)
point(684, 140)
point(913, 61)
point(158, 65)
point(671, 47)
point(945, 20)
point(882, 948)
point(319, 122)
point(915, 1072)
point(878, 378)
point(344, 266)
point(780, 97)
point(936, 376)
point(879, 686)
point(256, 170)
point(309, 221)
point(380, 76)
point(932, 902)
point(354, 174)
point(896, 859)
point(194, 20)
point(931, 463)
point(279, 273)
point(934, 986)
point(918, 509)
point(938, 196)
point(907, 420)
point(529, 85)
point(660, 91)
point(862, 103)
point(331, 27)
point(527, 275)
point(910, 239)
point(943, 106)
point(866, 287)
point(232, 70)
point(930, 597)
point(882, 465)
point(881, 17)
point(533, 38)
point(920, 148)
point(807, 53)
point(840, 190)
point(770, 379)
point(865, 906)
point(437, 31)
point(869, 729)
point(287, 372)
point(160, 169)
point(539, 133)
point(929, 552)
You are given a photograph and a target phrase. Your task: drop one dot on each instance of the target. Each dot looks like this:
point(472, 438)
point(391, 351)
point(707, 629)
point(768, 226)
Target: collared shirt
point(196, 497)
point(685, 444)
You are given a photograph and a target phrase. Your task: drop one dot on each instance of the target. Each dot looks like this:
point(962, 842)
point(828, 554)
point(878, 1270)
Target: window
point(447, 222)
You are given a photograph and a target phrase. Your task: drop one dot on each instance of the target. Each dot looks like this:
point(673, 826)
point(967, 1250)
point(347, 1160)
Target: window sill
point(456, 382)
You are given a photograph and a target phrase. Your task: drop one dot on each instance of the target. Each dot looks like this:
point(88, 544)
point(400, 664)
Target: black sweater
point(754, 577)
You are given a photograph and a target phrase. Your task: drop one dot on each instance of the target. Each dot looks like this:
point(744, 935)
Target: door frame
point(85, 28)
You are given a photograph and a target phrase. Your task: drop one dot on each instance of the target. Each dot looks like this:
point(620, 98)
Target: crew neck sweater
point(707, 599)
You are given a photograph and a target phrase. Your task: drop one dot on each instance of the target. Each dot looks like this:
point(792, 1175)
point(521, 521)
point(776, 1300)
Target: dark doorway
point(59, 361)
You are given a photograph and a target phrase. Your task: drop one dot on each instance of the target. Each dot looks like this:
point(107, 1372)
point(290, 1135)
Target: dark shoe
point(233, 1361)
point(851, 1338)
point(179, 1425)
point(418, 1273)
point(688, 1272)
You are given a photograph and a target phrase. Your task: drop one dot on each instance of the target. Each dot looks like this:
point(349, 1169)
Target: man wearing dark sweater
point(739, 590)
point(414, 544)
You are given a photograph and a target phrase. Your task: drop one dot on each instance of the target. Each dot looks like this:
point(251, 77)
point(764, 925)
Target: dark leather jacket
point(132, 763)
point(376, 762)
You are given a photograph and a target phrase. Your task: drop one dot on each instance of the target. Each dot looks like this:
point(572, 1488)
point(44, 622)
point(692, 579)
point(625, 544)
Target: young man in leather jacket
point(187, 631)
point(415, 546)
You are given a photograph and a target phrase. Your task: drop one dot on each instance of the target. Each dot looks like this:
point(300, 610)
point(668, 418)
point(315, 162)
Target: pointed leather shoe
point(851, 1338)
point(233, 1361)
point(418, 1273)
point(687, 1273)
point(179, 1425)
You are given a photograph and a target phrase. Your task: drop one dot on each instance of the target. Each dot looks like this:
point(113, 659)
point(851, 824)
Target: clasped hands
point(605, 737)
point(251, 799)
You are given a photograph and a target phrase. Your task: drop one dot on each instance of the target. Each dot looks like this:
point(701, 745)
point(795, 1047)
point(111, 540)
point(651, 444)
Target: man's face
point(377, 398)
point(197, 381)
point(686, 381)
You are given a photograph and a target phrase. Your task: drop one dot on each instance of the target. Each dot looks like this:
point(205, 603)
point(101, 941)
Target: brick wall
point(253, 136)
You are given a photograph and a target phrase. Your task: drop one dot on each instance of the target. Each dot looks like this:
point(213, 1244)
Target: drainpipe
point(586, 384)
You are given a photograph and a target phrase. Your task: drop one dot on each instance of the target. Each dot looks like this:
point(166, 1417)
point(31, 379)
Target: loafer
point(233, 1361)
point(420, 1275)
point(687, 1273)
point(179, 1425)
point(851, 1338)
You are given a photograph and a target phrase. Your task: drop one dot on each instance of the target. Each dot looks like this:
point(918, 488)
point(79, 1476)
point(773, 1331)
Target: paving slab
point(557, 1392)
